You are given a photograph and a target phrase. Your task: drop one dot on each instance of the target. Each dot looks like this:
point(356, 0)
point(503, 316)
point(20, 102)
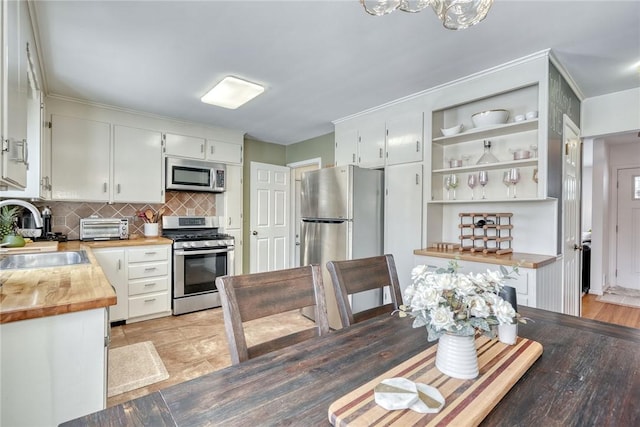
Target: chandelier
point(454, 14)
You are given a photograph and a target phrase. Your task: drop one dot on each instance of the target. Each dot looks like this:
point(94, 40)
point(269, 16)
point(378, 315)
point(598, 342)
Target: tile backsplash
point(65, 216)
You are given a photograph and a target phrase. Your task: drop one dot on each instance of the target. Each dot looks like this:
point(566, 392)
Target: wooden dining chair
point(358, 275)
point(254, 296)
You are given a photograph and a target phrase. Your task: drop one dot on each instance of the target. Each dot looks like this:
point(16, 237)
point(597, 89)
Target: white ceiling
point(319, 60)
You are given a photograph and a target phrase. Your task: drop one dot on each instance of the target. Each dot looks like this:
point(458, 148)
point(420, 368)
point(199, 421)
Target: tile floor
point(194, 344)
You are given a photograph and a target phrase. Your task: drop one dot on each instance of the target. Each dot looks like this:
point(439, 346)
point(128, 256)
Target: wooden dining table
point(587, 375)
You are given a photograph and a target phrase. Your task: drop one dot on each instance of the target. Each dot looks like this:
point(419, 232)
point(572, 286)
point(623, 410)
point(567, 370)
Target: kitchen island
point(54, 335)
point(587, 375)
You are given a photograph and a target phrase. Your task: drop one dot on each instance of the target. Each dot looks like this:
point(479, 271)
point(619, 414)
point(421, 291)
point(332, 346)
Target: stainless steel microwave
point(194, 175)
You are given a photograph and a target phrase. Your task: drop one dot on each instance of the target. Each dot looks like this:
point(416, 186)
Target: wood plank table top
point(587, 375)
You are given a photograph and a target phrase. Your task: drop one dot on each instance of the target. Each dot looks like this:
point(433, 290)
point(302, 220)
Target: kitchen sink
point(43, 260)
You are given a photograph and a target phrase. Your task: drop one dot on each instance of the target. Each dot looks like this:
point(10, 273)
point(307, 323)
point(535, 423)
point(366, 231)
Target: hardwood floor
point(610, 313)
point(195, 344)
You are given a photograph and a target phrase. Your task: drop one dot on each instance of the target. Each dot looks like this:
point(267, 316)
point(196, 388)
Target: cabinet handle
point(212, 149)
point(150, 300)
point(417, 146)
point(353, 159)
point(104, 187)
point(118, 188)
point(417, 179)
point(229, 223)
point(25, 152)
point(150, 284)
point(149, 269)
point(202, 148)
point(119, 264)
point(151, 253)
point(380, 153)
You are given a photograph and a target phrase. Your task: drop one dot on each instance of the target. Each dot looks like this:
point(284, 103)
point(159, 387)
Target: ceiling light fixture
point(232, 92)
point(454, 14)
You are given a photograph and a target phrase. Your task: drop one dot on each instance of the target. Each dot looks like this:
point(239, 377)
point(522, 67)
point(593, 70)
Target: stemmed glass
point(472, 181)
point(453, 183)
point(483, 179)
point(447, 184)
point(506, 180)
point(514, 178)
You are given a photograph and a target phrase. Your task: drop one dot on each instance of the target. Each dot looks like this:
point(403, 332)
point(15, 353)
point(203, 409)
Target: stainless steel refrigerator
point(342, 218)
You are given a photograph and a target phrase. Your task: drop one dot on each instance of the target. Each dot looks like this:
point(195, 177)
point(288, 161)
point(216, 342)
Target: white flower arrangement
point(445, 301)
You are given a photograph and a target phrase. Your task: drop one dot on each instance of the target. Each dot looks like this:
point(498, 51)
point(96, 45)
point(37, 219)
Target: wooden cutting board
point(33, 247)
point(467, 402)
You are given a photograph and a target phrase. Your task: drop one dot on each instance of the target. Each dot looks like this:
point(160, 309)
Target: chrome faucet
point(15, 202)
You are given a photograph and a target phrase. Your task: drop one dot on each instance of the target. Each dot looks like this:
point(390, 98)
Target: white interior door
point(571, 234)
point(269, 217)
point(628, 226)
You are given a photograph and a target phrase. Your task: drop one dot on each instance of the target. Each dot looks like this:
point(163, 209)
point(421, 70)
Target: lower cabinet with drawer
point(141, 276)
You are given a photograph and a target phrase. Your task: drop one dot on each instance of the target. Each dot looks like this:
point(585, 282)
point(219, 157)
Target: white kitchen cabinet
point(16, 72)
point(113, 264)
point(137, 165)
point(403, 216)
point(54, 368)
point(346, 152)
point(371, 140)
point(184, 146)
point(141, 276)
point(405, 138)
point(233, 198)
point(149, 276)
point(80, 159)
point(224, 152)
point(231, 222)
point(237, 250)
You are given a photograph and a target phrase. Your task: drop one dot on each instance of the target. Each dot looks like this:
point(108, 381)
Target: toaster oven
point(104, 228)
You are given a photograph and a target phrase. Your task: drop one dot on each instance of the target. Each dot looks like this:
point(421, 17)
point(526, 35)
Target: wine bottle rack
point(489, 233)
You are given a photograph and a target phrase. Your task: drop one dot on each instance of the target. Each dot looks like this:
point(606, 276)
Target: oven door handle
point(205, 252)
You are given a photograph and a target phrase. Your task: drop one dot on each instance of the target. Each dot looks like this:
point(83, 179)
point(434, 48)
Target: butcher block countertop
point(34, 293)
point(520, 259)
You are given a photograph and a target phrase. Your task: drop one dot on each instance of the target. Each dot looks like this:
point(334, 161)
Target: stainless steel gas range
point(200, 254)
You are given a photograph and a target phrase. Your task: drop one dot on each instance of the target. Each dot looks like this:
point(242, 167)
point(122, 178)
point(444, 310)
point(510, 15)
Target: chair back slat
point(358, 275)
point(254, 296)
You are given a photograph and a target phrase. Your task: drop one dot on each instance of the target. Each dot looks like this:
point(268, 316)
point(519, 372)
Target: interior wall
point(600, 217)
point(322, 146)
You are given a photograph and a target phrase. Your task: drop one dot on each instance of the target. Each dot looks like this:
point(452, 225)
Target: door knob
point(577, 247)
point(255, 233)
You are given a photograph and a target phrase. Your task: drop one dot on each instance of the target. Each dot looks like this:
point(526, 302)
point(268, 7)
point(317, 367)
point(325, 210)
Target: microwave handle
point(205, 252)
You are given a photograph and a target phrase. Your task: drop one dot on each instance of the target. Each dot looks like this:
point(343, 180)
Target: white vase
point(151, 229)
point(457, 356)
point(508, 333)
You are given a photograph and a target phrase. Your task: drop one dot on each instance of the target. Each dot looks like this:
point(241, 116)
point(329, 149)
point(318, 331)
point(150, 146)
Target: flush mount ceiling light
point(454, 14)
point(232, 92)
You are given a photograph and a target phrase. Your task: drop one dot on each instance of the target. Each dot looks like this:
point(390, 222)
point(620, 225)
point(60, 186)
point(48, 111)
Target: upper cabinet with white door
point(213, 149)
point(86, 166)
point(184, 146)
point(404, 138)
point(80, 159)
point(16, 70)
point(137, 165)
point(361, 143)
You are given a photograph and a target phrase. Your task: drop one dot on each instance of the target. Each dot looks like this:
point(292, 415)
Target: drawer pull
point(149, 284)
point(150, 253)
point(150, 269)
point(150, 300)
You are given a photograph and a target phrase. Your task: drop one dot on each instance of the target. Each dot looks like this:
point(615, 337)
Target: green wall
point(322, 146)
point(276, 154)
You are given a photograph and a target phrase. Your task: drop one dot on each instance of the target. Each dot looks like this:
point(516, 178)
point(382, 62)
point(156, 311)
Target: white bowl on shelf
point(452, 130)
point(531, 115)
point(519, 118)
point(490, 118)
